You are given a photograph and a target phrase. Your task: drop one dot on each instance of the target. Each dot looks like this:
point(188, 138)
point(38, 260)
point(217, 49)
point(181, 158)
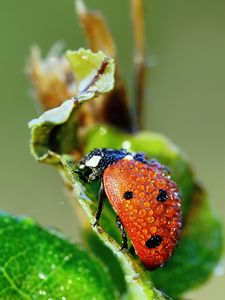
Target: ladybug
point(147, 202)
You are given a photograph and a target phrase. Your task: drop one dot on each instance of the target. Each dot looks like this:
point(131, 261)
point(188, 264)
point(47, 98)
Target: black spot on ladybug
point(162, 195)
point(154, 241)
point(128, 195)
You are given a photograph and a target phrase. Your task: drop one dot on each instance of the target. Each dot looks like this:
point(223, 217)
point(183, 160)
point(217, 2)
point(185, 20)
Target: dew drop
point(219, 270)
point(102, 130)
point(42, 276)
point(142, 212)
point(150, 220)
point(153, 229)
point(126, 145)
point(145, 230)
point(42, 293)
point(67, 257)
point(146, 204)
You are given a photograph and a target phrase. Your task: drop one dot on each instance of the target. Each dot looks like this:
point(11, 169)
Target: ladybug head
point(92, 165)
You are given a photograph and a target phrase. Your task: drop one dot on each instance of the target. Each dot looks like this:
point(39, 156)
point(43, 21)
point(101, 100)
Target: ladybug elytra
point(147, 202)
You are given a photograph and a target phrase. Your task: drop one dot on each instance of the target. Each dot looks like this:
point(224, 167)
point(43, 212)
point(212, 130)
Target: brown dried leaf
point(112, 108)
point(96, 30)
point(52, 78)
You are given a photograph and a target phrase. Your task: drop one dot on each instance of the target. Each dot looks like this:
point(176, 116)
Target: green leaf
point(94, 72)
point(55, 131)
point(42, 146)
point(41, 264)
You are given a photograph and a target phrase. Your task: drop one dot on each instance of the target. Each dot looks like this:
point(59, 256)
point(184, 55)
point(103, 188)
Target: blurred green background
point(185, 95)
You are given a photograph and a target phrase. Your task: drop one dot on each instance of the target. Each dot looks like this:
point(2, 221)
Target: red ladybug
point(146, 200)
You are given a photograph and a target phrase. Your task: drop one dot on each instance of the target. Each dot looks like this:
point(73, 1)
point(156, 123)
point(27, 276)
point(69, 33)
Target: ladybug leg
point(123, 234)
point(101, 197)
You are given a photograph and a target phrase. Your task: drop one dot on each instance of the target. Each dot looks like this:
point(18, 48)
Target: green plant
point(39, 263)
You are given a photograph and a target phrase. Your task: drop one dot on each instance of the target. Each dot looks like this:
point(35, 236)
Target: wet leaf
point(53, 122)
point(94, 72)
point(36, 263)
point(56, 130)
